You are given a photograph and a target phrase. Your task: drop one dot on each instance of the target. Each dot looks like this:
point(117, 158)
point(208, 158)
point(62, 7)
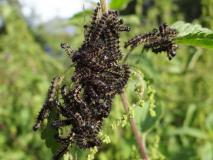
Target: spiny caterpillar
point(158, 40)
point(50, 102)
point(98, 77)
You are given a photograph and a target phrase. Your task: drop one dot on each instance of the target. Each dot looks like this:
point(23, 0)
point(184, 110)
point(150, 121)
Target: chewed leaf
point(185, 29)
point(193, 34)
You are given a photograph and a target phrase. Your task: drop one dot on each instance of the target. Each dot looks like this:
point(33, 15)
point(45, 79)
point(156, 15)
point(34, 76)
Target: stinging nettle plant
point(99, 75)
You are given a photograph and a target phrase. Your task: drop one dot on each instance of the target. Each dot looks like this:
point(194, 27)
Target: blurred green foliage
point(25, 73)
point(175, 114)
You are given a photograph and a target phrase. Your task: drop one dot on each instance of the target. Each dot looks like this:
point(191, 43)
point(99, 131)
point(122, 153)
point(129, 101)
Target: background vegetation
point(175, 116)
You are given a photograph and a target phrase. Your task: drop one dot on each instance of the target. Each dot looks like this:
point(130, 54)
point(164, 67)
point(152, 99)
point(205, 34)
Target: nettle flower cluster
point(98, 77)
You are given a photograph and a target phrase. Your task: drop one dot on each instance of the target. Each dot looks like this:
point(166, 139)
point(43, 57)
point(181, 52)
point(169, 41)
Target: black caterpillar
point(158, 40)
point(97, 79)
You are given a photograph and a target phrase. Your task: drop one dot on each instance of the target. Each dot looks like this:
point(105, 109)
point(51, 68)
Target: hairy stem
point(135, 131)
point(104, 6)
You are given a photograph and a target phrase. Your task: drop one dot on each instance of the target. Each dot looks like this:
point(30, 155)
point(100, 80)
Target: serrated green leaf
point(185, 29)
point(194, 35)
point(200, 40)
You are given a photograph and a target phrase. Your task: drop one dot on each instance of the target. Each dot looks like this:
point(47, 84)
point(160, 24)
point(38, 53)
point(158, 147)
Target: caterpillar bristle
point(97, 78)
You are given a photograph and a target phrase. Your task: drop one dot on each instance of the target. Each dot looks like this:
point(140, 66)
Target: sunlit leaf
point(194, 35)
point(118, 4)
point(193, 132)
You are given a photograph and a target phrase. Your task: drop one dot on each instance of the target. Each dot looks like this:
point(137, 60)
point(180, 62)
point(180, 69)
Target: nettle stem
point(135, 131)
point(104, 6)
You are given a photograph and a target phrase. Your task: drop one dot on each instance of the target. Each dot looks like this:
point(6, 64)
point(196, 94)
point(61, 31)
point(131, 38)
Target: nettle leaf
point(185, 29)
point(82, 17)
point(118, 4)
point(193, 34)
point(49, 133)
point(143, 118)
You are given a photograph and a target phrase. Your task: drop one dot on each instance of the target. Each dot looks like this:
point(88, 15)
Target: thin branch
point(136, 133)
point(127, 55)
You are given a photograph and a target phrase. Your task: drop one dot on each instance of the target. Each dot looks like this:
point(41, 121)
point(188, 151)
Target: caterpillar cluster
point(158, 40)
point(98, 77)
